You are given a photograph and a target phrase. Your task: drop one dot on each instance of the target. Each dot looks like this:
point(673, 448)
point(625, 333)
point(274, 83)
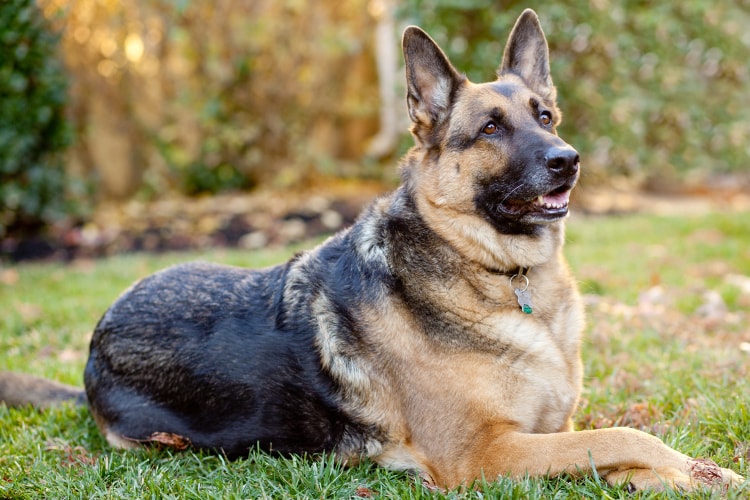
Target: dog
point(440, 333)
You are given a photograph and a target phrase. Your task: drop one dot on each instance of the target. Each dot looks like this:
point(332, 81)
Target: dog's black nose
point(563, 160)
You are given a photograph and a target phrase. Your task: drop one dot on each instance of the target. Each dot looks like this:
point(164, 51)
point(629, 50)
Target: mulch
point(237, 220)
point(276, 219)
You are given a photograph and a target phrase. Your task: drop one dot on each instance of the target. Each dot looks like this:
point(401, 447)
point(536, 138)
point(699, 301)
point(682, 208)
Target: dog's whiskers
point(516, 188)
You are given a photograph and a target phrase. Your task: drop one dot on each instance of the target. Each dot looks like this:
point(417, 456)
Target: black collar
point(519, 271)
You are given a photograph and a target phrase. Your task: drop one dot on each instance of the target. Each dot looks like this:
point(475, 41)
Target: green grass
point(657, 358)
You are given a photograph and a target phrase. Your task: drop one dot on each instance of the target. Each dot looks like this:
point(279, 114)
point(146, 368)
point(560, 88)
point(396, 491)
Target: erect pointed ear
point(431, 80)
point(527, 55)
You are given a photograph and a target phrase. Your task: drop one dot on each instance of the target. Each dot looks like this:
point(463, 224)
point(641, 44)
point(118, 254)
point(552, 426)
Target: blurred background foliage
point(33, 129)
point(203, 97)
point(654, 91)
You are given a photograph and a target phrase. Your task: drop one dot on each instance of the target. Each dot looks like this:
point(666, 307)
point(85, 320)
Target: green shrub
point(33, 130)
point(649, 90)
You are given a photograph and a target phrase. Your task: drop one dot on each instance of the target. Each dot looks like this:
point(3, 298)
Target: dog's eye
point(545, 118)
point(491, 128)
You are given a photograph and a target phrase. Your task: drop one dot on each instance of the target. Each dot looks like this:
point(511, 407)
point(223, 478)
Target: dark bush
point(33, 129)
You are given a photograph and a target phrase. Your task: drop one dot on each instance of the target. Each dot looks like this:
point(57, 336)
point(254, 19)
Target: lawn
point(667, 350)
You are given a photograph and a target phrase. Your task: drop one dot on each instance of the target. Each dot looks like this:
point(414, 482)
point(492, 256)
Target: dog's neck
point(478, 241)
point(517, 271)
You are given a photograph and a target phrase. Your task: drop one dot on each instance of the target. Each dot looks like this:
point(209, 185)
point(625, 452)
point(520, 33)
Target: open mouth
point(551, 205)
point(520, 208)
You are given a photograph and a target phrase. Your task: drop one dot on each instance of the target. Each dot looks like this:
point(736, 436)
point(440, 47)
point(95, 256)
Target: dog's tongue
point(558, 199)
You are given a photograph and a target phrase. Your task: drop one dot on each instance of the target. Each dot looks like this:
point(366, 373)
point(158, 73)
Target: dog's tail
point(19, 389)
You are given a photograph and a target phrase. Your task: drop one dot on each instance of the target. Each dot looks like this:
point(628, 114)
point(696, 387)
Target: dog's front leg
point(619, 455)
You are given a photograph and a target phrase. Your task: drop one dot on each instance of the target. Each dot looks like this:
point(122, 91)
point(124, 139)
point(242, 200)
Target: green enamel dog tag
point(524, 300)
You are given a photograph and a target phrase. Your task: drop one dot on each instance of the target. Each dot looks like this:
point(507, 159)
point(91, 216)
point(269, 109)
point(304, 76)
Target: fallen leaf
point(71, 455)
point(640, 416)
point(364, 492)
point(170, 440)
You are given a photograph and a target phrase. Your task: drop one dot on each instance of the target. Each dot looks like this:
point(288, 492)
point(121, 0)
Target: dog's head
point(488, 154)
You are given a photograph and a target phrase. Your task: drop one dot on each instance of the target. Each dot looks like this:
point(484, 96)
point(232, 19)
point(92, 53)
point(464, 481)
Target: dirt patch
point(257, 220)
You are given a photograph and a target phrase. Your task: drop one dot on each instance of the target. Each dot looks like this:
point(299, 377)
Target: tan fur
point(458, 415)
point(435, 398)
point(115, 440)
point(500, 401)
point(445, 196)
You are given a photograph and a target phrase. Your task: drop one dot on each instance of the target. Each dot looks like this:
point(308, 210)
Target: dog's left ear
point(431, 80)
point(527, 55)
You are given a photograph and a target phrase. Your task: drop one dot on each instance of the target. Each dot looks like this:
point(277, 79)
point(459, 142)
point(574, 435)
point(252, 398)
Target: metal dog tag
point(524, 300)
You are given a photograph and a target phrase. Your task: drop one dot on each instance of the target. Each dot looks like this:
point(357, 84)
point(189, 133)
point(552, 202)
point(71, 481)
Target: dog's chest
point(528, 366)
point(537, 379)
point(520, 367)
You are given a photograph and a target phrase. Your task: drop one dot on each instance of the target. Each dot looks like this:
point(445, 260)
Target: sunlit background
point(145, 98)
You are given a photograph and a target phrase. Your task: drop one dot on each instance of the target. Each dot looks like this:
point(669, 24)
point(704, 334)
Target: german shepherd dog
point(440, 333)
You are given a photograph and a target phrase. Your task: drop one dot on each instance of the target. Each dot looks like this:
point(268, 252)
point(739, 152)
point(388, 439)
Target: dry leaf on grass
point(71, 455)
point(169, 440)
point(165, 440)
point(364, 492)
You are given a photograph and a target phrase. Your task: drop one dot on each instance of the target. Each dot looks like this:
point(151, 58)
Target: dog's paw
point(699, 473)
point(707, 473)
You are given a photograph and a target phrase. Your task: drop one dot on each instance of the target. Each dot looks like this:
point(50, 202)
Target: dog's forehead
point(509, 88)
point(505, 96)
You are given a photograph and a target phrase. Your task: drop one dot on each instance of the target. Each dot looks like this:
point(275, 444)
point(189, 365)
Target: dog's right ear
point(431, 80)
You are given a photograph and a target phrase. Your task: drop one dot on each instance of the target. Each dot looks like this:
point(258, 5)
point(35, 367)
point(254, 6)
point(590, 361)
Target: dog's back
point(221, 355)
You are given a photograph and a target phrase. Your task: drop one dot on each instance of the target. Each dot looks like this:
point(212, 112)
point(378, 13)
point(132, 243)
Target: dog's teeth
point(540, 200)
